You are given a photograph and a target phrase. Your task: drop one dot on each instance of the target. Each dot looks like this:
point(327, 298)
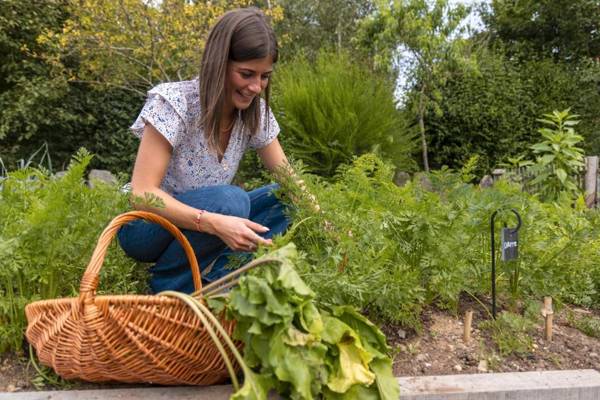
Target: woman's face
point(246, 80)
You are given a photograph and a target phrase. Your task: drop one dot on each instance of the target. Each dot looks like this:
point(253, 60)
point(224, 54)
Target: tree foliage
point(30, 96)
point(39, 105)
point(310, 25)
point(134, 44)
point(426, 32)
point(565, 30)
point(493, 113)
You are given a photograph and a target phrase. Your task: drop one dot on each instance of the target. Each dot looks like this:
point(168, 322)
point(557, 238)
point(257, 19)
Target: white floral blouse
point(174, 110)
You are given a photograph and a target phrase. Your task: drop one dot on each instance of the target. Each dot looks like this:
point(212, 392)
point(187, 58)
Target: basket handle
point(91, 276)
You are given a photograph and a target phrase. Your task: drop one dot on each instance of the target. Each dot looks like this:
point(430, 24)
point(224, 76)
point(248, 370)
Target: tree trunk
point(422, 128)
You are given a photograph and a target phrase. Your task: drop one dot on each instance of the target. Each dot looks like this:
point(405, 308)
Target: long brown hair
point(239, 35)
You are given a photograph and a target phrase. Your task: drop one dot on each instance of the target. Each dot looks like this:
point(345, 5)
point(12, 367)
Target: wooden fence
point(588, 180)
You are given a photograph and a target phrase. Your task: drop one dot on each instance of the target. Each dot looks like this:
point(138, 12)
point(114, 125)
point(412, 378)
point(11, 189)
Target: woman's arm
point(150, 167)
point(273, 157)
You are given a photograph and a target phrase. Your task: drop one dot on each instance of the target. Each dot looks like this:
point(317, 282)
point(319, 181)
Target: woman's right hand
point(239, 234)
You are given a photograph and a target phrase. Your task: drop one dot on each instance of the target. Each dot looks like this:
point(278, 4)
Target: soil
point(438, 349)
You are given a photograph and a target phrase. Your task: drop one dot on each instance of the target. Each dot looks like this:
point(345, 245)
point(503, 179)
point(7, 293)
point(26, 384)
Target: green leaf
point(255, 387)
point(216, 304)
point(561, 174)
point(387, 383)
point(547, 159)
point(367, 331)
point(540, 147)
point(356, 392)
point(353, 367)
point(297, 338)
point(289, 279)
point(310, 319)
point(289, 366)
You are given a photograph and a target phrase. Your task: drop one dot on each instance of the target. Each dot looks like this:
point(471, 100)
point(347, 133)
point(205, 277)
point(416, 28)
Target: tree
point(309, 25)
point(426, 34)
point(40, 107)
point(135, 44)
point(32, 100)
point(493, 113)
point(566, 30)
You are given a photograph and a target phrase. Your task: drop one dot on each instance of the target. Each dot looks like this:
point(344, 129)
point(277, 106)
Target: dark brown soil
point(438, 350)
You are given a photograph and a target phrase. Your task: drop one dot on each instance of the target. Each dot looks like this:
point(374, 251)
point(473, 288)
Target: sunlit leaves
point(136, 44)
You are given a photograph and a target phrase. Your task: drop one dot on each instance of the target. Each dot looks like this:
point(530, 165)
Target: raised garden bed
point(438, 350)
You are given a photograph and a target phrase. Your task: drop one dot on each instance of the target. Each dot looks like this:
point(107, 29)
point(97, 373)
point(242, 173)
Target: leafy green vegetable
point(299, 349)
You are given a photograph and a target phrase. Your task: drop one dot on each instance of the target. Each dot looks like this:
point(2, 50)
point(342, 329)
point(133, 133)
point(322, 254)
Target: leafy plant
point(49, 228)
point(334, 109)
point(511, 333)
point(467, 170)
point(559, 159)
point(302, 350)
point(393, 250)
point(588, 324)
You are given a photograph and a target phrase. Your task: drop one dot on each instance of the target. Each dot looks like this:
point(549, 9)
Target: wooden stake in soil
point(468, 321)
point(548, 314)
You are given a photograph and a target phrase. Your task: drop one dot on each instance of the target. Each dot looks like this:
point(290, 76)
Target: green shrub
point(334, 109)
point(49, 229)
point(493, 113)
point(559, 160)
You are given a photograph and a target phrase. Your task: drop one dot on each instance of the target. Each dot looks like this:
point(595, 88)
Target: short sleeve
point(267, 131)
point(161, 114)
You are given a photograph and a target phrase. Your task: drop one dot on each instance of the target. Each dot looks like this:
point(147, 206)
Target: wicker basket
point(126, 338)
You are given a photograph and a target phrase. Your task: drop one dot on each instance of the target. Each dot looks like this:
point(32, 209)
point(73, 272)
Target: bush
point(493, 113)
point(39, 105)
point(334, 109)
point(49, 228)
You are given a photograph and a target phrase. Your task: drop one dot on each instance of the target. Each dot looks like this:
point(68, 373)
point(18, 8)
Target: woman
point(193, 135)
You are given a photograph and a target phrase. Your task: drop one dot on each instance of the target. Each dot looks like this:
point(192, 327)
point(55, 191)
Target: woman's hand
point(239, 234)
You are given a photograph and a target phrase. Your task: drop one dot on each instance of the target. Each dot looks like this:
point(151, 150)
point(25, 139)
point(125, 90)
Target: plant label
point(510, 244)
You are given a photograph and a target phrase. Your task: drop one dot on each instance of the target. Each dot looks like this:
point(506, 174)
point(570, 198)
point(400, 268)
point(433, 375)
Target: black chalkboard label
point(510, 244)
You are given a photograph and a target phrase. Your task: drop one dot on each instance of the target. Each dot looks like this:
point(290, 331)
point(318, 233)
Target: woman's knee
point(221, 199)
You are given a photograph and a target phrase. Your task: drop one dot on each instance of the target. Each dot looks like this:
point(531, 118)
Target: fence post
point(591, 171)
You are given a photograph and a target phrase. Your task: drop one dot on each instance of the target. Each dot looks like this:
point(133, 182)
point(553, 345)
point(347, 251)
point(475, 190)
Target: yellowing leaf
point(353, 368)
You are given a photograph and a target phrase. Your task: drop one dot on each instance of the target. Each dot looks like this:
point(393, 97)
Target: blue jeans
point(149, 242)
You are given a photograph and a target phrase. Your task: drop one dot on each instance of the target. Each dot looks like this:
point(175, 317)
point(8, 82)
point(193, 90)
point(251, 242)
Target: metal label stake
point(510, 249)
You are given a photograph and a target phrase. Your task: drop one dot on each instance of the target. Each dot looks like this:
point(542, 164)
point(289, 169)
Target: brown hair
point(239, 35)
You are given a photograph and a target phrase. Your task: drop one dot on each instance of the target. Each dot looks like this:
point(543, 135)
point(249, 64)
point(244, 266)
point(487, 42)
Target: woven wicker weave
point(126, 338)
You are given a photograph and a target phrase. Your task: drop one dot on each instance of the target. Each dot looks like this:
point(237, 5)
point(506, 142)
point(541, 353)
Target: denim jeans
point(149, 242)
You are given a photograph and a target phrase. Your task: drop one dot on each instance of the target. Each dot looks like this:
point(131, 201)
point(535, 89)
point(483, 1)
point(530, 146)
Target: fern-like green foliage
point(393, 250)
point(48, 229)
point(511, 333)
point(334, 109)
